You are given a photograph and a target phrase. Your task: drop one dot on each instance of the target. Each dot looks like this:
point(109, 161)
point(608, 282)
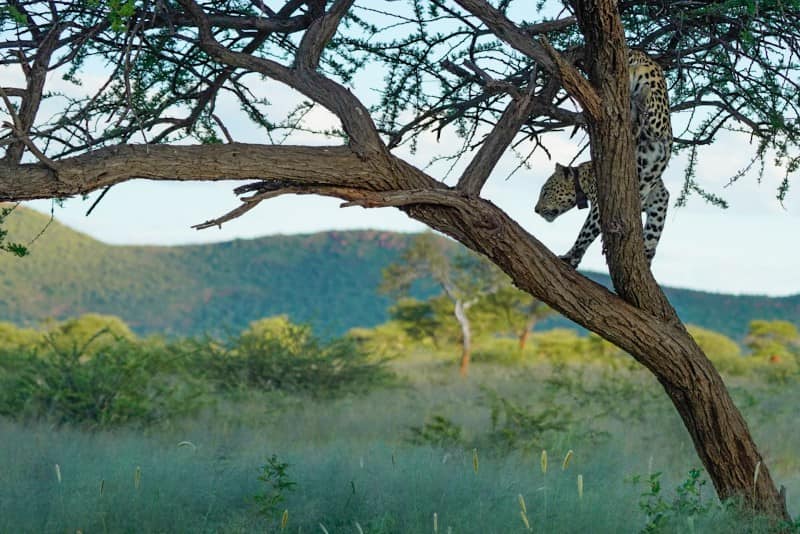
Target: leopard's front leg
point(587, 235)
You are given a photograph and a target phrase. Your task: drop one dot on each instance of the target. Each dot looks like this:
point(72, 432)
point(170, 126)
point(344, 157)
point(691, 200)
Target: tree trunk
point(460, 311)
point(526, 331)
point(718, 430)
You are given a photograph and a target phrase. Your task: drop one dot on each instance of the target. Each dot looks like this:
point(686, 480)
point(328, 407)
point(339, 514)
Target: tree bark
point(526, 332)
point(718, 430)
point(460, 311)
point(523, 338)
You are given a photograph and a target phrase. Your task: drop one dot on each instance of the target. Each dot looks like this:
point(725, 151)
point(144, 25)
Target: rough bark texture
point(718, 430)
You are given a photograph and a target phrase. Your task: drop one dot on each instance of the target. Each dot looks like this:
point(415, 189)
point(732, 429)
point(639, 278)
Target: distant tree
point(773, 340)
point(12, 336)
point(421, 320)
point(722, 350)
point(88, 333)
point(464, 278)
point(510, 309)
point(279, 330)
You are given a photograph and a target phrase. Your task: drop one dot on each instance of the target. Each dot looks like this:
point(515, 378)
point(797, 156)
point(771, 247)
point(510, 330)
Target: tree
point(773, 340)
point(463, 278)
point(513, 310)
point(421, 320)
point(461, 68)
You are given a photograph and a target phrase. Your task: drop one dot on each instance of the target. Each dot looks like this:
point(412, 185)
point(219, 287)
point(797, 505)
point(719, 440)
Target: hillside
point(328, 280)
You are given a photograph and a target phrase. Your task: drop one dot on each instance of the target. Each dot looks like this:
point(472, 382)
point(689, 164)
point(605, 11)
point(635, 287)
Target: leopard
point(651, 127)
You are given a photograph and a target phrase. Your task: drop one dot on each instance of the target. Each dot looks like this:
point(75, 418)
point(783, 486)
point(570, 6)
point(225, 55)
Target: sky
point(750, 248)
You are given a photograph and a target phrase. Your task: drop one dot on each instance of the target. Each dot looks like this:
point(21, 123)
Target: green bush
point(503, 351)
point(560, 345)
point(523, 427)
point(276, 355)
point(385, 340)
point(122, 383)
point(88, 334)
point(775, 345)
point(438, 431)
point(725, 354)
point(13, 337)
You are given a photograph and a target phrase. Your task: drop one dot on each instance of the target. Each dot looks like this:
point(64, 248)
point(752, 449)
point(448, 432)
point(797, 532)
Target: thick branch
point(495, 144)
point(319, 34)
point(355, 118)
point(236, 161)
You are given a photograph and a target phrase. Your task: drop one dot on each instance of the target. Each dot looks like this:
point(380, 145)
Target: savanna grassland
point(277, 430)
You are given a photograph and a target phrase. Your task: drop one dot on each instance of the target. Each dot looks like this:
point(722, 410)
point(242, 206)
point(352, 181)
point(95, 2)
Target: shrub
point(519, 427)
point(721, 350)
point(385, 340)
point(776, 345)
point(560, 345)
point(275, 476)
point(503, 351)
point(122, 383)
point(13, 337)
point(87, 334)
point(275, 354)
point(438, 431)
point(663, 514)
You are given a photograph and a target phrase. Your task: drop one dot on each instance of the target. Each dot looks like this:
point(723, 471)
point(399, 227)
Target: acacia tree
point(513, 310)
point(464, 279)
point(491, 74)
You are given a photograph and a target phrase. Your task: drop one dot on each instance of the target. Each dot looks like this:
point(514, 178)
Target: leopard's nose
point(548, 215)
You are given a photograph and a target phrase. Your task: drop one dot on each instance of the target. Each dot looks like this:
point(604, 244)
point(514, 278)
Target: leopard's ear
point(559, 167)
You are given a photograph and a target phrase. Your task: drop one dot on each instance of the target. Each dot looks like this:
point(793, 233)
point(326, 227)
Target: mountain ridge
point(326, 279)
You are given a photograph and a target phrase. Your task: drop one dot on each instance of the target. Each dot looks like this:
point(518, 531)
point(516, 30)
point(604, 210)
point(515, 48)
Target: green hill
point(328, 280)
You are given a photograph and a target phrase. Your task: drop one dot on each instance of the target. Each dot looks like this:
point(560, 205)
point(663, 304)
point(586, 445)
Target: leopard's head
point(557, 195)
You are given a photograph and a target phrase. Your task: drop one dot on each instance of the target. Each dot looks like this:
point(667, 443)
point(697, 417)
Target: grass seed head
point(580, 486)
point(435, 522)
point(544, 461)
point(475, 460)
point(284, 519)
point(58, 473)
point(567, 458)
point(524, 517)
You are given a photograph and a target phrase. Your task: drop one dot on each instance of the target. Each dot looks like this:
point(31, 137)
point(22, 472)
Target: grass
point(353, 462)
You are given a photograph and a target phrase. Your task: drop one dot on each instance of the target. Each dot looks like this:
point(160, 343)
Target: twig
point(222, 127)
point(16, 130)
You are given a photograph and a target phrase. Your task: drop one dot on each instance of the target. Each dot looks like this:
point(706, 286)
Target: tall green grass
point(353, 459)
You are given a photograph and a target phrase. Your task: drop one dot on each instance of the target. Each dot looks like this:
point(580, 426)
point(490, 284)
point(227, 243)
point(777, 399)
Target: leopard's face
point(557, 195)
